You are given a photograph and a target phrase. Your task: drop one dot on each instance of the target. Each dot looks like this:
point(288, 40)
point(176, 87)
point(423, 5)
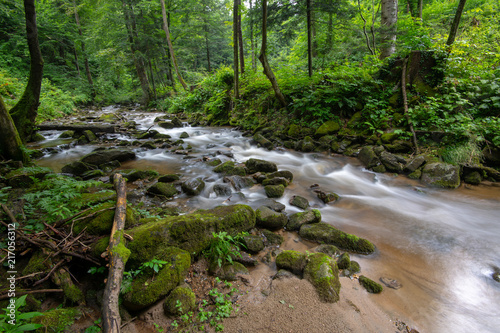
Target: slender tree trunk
point(263, 58)
point(405, 103)
point(152, 78)
point(372, 27)
point(76, 62)
point(252, 44)
point(389, 19)
point(82, 45)
point(329, 36)
point(167, 57)
point(313, 30)
point(309, 38)
point(420, 9)
point(364, 29)
point(10, 142)
point(456, 23)
point(240, 45)
point(170, 46)
point(235, 48)
point(207, 44)
point(25, 111)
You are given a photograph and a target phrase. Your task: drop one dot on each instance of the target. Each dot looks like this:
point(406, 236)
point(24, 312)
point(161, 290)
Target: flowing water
point(441, 245)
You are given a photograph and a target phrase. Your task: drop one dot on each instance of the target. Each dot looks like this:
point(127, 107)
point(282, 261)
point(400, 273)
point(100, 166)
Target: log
point(118, 254)
point(95, 128)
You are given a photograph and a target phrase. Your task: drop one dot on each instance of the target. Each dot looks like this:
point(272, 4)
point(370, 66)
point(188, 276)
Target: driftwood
point(117, 253)
point(96, 128)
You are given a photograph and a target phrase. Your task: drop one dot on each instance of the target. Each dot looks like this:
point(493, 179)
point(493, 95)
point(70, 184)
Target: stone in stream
point(299, 201)
point(322, 271)
point(292, 261)
point(107, 155)
point(327, 197)
point(67, 134)
point(184, 135)
point(344, 261)
point(276, 181)
point(90, 136)
point(109, 166)
point(134, 174)
point(165, 189)
point(148, 145)
point(269, 219)
point(295, 221)
point(441, 175)
point(370, 285)
point(274, 191)
point(239, 182)
point(414, 164)
point(393, 163)
point(368, 157)
point(169, 178)
point(261, 140)
point(391, 283)
point(77, 168)
point(230, 168)
point(193, 186)
point(272, 238)
point(253, 243)
point(256, 165)
point(282, 173)
point(270, 203)
point(222, 190)
point(330, 250)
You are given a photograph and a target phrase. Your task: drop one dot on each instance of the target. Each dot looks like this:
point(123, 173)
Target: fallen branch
point(50, 273)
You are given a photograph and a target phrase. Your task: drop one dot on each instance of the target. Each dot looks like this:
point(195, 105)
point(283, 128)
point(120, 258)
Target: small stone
point(274, 191)
point(184, 135)
point(299, 201)
point(327, 197)
point(391, 283)
point(370, 285)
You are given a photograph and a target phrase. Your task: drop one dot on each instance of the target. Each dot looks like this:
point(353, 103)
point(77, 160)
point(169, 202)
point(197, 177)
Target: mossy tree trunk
point(11, 145)
point(25, 111)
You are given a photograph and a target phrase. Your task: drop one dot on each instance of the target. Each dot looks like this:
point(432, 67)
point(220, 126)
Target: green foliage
point(20, 321)
point(467, 153)
point(223, 247)
point(94, 328)
point(129, 276)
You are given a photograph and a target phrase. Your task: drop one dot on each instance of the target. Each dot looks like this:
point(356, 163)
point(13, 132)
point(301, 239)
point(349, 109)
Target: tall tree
point(170, 46)
point(240, 42)
point(252, 44)
point(388, 22)
point(235, 48)
point(82, 45)
point(25, 111)
point(11, 145)
point(263, 58)
point(309, 38)
point(456, 23)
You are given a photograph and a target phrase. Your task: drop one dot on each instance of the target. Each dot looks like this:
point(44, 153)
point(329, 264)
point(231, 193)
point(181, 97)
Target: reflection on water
point(440, 244)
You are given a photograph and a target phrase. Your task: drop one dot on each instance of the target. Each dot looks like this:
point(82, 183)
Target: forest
point(408, 87)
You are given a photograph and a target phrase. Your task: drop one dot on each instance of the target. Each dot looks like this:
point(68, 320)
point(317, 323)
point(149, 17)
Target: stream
point(441, 245)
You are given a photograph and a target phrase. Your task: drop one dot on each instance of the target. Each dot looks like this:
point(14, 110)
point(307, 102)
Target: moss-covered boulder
point(299, 201)
point(23, 177)
point(182, 295)
point(228, 272)
point(327, 234)
point(272, 238)
point(353, 268)
point(222, 190)
point(292, 261)
point(109, 118)
point(256, 165)
point(295, 221)
point(39, 262)
point(294, 131)
point(107, 155)
point(239, 182)
point(193, 186)
point(133, 174)
point(392, 162)
point(77, 168)
point(274, 191)
point(270, 219)
point(253, 243)
point(441, 175)
point(322, 271)
point(282, 173)
point(90, 136)
point(388, 137)
point(164, 189)
point(414, 164)
point(67, 134)
point(327, 128)
point(307, 145)
point(370, 285)
point(57, 320)
point(344, 261)
point(230, 168)
point(149, 287)
point(328, 249)
point(262, 141)
point(473, 178)
point(190, 232)
point(184, 135)
point(327, 197)
point(368, 157)
point(170, 178)
point(92, 174)
point(99, 220)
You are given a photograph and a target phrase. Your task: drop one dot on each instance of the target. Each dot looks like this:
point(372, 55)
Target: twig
point(128, 322)
point(28, 276)
point(50, 273)
point(9, 213)
point(81, 257)
point(61, 222)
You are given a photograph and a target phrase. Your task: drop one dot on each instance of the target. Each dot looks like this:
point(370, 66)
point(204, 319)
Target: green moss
point(344, 261)
point(274, 191)
point(294, 131)
point(327, 128)
point(370, 285)
point(389, 137)
point(182, 295)
point(101, 223)
point(292, 261)
point(416, 174)
point(272, 238)
point(354, 267)
point(88, 199)
point(39, 262)
point(323, 273)
point(100, 246)
point(120, 249)
point(56, 320)
point(23, 177)
point(214, 162)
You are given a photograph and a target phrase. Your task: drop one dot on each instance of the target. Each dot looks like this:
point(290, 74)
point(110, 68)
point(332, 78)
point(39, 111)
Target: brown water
point(440, 245)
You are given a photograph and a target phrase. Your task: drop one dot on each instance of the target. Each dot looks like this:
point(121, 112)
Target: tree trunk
point(82, 44)
point(152, 77)
point(405, 103)
point(388, 22)
point(364, 29)
point(118, 255)
point(329, 36)
point(252, 44)
point(456, 23)
point(240, 45)
point(25, 111)
point(207, 44)
point(313, 30)
point(170, 46)
point(235, 48)
point(263, 57)
point(138, 62)
point(420, 9)
point(11, 144)
point(309, 38)
point(76, 62)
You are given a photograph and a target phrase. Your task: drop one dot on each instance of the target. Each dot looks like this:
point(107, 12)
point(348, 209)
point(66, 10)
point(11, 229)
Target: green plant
point(96, 328)
point(13, 321)
point(96, 270)
point(4, 195)
point(223, 247)
point(129, 276)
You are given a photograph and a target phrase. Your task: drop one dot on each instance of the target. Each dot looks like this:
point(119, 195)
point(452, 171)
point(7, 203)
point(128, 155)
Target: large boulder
point(292, 261)
point(99, 220)
point(230, 168)
point(441, 175)
point(368, 157)
point(255, 165)
point(190, 232)
point(322, 271)
point(327, 234)
point(295, 221)
point(269, 219)
point(299, 201)
point(164, 189)
point(327, 128)
point(104, 156)
point(239, 182)
point(274, 191)
point(193, 186)
point(414, 164)
point(261, 140)
point(392, 162)
point(282, 173)
point(149, 287)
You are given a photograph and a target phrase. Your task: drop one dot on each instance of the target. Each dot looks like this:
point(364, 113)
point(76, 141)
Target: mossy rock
point(441, 175)
point(327, 234)
point(193, 186)
point(253, 243)
point(23, 177)
point(282, 173)
point(88, 199)
point(307, 145)
point(473, 178)
point(370, 285)
point(380, 168)
point(228, 272)
point(133, 174)
point(170, 178)
point(389, 137)
point(164, 189)
point(322, 271)
point(190, 232)
point(99, 246)
point(101, 223)
point(344, 261)
point(328, 197)
point(92, 174)
point(56, 320)
point(229, 168)
point(292, 261)
point(239, 182)
point(368, 157)
point(327, 249)
point(353, 268)
point(184, 135)
point(39, 262)
point(183, 295)
point(270, 219)
point(295, 221)
point(256, 165)
point(148, 145)
point(104, 156)
point(327, 128)
point(294, 131)
point(67, 134)
point(89, 135)
point(109, 118)
point(299, 201)
point(276, 181)
point(392, 162)
point(272, 238)
point(355, 120)
point(149, 287)
point(414, 164)
point(262, 141)
point(214, 162)
point(274, 191)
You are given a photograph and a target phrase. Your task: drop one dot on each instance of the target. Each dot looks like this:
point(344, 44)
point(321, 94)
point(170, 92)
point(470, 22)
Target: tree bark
point(252, 44)
point(263, 58)
point(25, 111)
point(420, 9)
point(235, 48)
point(82, 45)
point(364, 29)
point(240, 44)
point(309, 38)
point(388, 22)
point(11, 144)
point(456, 23)
point(405, 103)
point(118, 255)
point(170, 46)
